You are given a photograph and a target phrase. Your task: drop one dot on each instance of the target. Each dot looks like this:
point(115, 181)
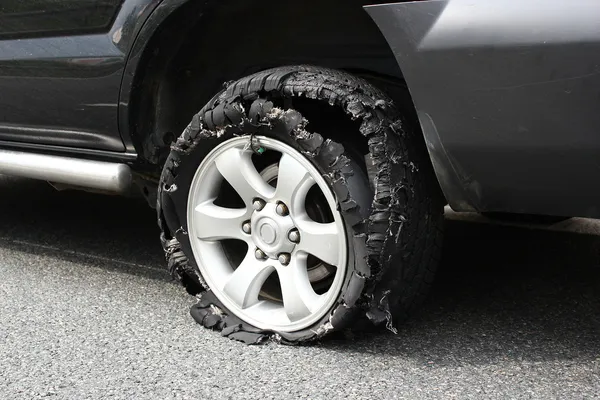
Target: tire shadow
point(502, 293)
point(114, 232)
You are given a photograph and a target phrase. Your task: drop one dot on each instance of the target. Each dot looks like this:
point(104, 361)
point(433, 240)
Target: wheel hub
point(270, 231)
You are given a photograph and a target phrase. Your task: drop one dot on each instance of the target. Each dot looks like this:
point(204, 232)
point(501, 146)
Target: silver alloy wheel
point(272, 214)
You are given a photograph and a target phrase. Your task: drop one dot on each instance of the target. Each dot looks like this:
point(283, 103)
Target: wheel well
point(204, 44)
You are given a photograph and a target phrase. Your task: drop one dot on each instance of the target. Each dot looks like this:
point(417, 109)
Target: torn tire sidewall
point(371, 238)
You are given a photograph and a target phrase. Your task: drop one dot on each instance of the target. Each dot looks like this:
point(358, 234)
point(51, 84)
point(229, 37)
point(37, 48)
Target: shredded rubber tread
point(398, 271)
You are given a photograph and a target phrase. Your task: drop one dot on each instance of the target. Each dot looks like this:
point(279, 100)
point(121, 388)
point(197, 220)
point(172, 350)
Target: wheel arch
point(175, 57)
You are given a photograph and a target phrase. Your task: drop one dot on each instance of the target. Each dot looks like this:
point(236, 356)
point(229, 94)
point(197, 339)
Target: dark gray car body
point(508, 97)
point(62, 64)
point(507, 92)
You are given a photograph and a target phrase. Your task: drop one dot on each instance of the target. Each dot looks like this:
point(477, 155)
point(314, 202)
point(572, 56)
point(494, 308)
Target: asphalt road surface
point(86, 311)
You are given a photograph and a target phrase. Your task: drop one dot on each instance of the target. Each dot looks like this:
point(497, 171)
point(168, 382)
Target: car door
point(60, 72)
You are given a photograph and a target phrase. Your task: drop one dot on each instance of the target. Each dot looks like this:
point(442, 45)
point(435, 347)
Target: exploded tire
point(392, 216)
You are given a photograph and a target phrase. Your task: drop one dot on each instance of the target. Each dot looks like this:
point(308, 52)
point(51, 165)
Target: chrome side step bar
point(99, 175)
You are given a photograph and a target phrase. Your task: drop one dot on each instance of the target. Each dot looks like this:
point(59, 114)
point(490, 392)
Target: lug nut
point(284, 258)
point(258, 204)
point(246, 227)
point(259, 254)
point(294, 236)
point(282, 209)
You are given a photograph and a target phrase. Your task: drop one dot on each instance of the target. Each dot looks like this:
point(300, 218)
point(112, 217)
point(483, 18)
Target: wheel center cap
point(268, 233)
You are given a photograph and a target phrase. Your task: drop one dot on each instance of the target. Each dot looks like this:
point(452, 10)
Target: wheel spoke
point(293, 182)
point(299, 298)
point(244, 284)
point(320, 240)
point(213, 222)
point(235, 165)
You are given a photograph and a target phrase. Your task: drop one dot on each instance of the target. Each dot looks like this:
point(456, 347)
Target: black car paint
point(508, 96)
point(508, 109)
point(63, 90)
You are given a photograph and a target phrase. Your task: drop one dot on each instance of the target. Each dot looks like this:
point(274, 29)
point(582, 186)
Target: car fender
point(160, 11)
point(507, 94)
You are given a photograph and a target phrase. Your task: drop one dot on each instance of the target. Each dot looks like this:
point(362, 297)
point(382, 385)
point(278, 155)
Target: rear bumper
point(507, 93)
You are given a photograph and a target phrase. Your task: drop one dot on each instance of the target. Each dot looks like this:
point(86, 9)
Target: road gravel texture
point(87, 312)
